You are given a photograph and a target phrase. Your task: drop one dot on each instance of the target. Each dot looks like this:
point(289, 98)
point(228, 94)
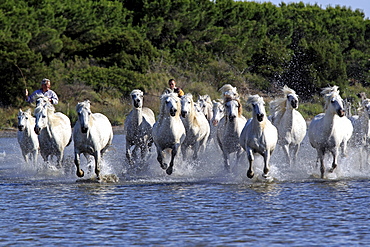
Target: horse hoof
point(80, 173)
point(250, 174)
point(164, 166)
point(332, 168)
point(169, 170)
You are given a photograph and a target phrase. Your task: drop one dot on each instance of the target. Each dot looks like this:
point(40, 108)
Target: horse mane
point(278, 106)
point(255, 99)
point(193, 109)
point(227, 89)
point(329, 93)
point(228, 98)
point(80, 105)
point(136, 91)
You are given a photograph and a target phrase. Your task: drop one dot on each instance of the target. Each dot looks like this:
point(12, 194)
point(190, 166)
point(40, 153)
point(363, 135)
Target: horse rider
point(44, 90)
point(173, 88)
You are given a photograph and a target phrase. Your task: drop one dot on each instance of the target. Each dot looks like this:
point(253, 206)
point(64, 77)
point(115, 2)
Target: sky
point(363, 5)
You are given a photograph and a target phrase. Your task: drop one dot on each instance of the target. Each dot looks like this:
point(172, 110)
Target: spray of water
point(208, 168)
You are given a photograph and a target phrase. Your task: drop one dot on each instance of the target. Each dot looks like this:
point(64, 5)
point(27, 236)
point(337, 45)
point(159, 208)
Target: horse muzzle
point(137, 103)
point(173, 112)
point(84, 129)
point(37, 130)
point(340, 113)
point(20, 127)
point(294, 104)
point(231, 118)
point(184, 114)
point(260, 117)
point(215, 122)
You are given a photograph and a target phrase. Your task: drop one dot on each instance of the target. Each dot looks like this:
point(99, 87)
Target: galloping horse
point(361, 130)
point(27, 137)
point(53, 130)
point(138, 127)
point(290, 123)
point(196, 127)
point(218, 110)
point(168, 131)
point(331, 129)
point(92, 134)
point(205, 105)
point(231, 125)
point(259, 135)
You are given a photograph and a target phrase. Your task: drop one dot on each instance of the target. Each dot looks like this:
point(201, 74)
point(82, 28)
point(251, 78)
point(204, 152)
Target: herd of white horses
point(187, 126)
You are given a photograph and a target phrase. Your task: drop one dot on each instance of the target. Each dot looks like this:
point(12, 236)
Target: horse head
point(41, 99)
point(334, 103)
point(366, 106)
point(23, 118)
point(218, 112)
point(232, 108)
point(291, 97)
point(187, 105)
point(83, 112)
point(258, 106)
point(137, 97)
point(41, 116)
point(170, 104)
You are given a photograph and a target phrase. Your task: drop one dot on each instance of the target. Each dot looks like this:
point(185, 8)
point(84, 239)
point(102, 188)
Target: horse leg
point(97, 163)
point(226, 161)
point(173, 155)
point(285, 148)
point(160, 158)
point(25, 156)
point(320, 157)
point(184, 150)
point(266, 159)
point(195, 150)
point(295, 149)
point(129, 154)
point(34, 154)
point(335, 160)
point(250, 172)
point(238, 155)
point(79, 172)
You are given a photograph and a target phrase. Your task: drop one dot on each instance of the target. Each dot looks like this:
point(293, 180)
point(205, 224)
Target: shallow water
point(199, 204)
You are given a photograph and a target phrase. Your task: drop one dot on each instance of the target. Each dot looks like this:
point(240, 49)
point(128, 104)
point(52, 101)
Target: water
point(199, 205)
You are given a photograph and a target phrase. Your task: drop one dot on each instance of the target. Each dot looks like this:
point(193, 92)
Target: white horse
point(259, 135)
point(230, 126)
point(138, 127)
point(218, 110)
point(92, 135)
point(196, 127)
point(168, 130)
point(205, 105)
point(290, 123)
point(361, 131)
point(27, 137)
point(331, 129)
point(54, 131)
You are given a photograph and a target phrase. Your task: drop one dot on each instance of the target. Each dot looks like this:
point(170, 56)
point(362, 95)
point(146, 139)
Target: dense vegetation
point(103, 49)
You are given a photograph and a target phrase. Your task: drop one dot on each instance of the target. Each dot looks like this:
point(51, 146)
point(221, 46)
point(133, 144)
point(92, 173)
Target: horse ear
point(29, 110)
